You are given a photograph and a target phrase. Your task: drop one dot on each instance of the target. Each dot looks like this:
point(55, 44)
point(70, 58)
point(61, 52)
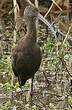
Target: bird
point(26, 54)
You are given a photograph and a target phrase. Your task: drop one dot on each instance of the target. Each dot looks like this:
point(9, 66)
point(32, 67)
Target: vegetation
point(52, 83)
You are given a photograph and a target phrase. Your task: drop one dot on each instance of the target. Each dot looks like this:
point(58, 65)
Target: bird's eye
point(34, 11)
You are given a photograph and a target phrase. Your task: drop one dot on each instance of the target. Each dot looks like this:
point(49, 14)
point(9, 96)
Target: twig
point(62, 23)
point(57, 5)
point(64, 64)
point(36, 4)
point(66, 38)
point(48, 10)
point(62, 60)
point(67, 34)
point(46, 78)
point(56, 19)
point(15, 18)
point(30, 2)
point(61, 33)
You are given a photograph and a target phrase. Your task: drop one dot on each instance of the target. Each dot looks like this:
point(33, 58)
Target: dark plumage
point(26, 59)
point(26, 55)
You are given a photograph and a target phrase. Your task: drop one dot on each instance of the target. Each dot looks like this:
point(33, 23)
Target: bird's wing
point(14, 57)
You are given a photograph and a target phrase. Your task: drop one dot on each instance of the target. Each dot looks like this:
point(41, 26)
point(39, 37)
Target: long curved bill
point(47, 23)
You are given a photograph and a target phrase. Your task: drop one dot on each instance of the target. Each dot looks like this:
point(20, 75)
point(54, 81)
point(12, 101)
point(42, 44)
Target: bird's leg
point(31, 91)
point(21, 92)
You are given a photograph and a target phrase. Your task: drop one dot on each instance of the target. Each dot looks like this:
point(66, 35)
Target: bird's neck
point(31, 29)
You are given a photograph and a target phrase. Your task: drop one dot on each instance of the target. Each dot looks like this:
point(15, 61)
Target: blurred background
point(53, 81)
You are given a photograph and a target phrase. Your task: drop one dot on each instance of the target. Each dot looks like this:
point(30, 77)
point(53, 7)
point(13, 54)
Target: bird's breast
point(29, 59)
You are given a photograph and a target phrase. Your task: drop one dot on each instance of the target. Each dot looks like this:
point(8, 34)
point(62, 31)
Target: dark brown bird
point(26, 55)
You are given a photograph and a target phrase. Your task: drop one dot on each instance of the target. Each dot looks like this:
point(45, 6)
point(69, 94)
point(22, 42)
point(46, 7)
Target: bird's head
point(32, 12)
